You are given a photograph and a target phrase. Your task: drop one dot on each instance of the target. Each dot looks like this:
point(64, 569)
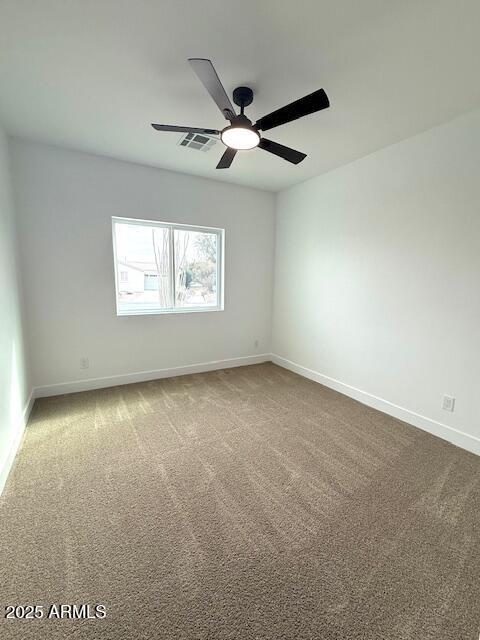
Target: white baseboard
point(455, 436)
point(143, 376)
point(15, 444)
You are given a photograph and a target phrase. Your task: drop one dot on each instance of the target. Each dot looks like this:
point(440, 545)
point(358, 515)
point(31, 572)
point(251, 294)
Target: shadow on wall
point(16, 399)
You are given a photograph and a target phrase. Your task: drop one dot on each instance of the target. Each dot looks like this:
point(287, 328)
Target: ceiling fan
point(241, 133)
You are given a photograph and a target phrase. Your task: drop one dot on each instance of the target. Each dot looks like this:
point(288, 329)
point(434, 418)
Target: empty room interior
point(240, 320)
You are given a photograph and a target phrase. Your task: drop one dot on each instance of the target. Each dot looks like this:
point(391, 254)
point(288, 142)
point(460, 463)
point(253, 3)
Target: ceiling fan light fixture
point(241, 133)
point(239, 138)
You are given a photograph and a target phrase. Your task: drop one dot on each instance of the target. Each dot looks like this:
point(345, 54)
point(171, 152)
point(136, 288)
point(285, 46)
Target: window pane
point(142, 263)
point(196, 255)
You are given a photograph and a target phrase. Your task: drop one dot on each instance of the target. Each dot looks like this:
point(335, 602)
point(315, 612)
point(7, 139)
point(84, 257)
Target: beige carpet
point(245, 504)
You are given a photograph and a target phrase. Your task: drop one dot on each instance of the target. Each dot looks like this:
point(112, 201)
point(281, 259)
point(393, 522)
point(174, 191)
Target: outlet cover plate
point(448, 403)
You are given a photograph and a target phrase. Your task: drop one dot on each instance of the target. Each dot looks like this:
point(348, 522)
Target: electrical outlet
point(255, 344)
point(84, 363)
point(448, 403)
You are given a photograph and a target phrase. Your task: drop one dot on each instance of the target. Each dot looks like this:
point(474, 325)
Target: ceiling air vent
point(197, 141)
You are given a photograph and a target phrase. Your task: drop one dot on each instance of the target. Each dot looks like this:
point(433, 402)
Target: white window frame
point(220, 233)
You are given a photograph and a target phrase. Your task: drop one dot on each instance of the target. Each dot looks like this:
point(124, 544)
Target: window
point(167, 268)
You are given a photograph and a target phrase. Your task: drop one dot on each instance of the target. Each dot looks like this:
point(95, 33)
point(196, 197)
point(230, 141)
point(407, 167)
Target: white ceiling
point(92, 75)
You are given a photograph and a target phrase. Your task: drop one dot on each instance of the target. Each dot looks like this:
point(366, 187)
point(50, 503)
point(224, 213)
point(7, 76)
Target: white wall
point(65, 201)
point(14, 383)
point(377, 278)
point(377, 275)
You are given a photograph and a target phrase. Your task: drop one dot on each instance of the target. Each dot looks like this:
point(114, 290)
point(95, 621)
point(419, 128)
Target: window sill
point(158, 312)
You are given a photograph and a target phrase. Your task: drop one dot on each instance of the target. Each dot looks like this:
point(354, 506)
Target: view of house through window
point(163, 267)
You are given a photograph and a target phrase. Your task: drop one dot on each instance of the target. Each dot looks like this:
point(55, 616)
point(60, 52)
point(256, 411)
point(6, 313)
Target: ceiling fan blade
point(316, 101)
point(227, 158)
point(207, 75)
point(280, 150)
point(168, 127)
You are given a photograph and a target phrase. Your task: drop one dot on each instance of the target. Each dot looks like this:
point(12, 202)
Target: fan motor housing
point(242, 96)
